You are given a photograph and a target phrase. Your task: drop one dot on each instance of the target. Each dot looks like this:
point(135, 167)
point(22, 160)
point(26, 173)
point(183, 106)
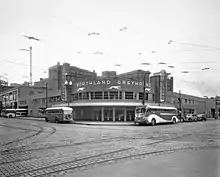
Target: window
point(185, 100)
point(80, 96)
point(171, 110)
point(10, 96)
point(189, 101)
point(31, 92)
point(75, 96)
point(43, 100)
point(120, 95)
point(106, 95)
point(141, 94)
point(51, 99)
point(114, 95)
point(98, 95)
point(129, 95)
point(92, 95)
point(85, 95)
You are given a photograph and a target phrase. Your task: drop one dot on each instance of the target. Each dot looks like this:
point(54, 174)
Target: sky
point(63, 28)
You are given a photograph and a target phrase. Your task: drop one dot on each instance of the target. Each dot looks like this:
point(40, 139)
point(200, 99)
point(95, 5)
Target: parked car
point(201, 117)
point(190, 118)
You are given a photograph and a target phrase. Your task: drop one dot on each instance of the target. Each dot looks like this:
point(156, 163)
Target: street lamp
point(68, 84)
point(29, 50)
point(46, 97)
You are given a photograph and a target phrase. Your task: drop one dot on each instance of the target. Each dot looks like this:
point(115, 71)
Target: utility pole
point(46, 96)
point(180, 104)
point(30, 66)
point(144, 91)
point(216, 107)
point(36, 39)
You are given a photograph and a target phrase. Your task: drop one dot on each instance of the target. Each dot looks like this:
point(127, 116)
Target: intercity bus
point(155, 114)
point(59, 114)
point(10, 113)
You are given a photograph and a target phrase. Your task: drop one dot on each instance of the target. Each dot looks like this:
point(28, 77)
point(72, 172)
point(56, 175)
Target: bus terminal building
point(109, 97)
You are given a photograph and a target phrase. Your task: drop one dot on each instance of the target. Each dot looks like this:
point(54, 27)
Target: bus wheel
point(10, 116)
point(56, 121)
point(46, 119)
point(174, 121)
point(153, 122)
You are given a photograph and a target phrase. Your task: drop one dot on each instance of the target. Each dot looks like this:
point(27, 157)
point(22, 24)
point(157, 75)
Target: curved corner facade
point(111, 99)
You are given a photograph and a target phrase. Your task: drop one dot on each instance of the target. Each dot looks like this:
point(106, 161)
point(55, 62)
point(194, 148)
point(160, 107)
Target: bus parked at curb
point(11, 113)
point(155, 114)
point(59, 114)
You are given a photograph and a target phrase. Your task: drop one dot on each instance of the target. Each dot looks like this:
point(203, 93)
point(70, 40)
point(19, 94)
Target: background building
point(161, 83)
point(109, 97)
point(191, 104)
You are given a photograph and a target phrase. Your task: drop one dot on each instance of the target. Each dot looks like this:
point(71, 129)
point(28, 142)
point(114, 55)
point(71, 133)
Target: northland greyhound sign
point(111, 82)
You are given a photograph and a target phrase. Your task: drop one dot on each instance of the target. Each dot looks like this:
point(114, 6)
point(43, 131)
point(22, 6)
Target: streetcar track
point(101, 160)
point(24, 138)
point(110, 157)
point(20, 149)
point(19, 128)
point(38, 132)
point(115, 140)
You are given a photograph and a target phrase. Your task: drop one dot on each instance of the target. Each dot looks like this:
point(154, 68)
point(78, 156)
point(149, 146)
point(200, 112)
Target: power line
point(192, 44)
point(22, 64)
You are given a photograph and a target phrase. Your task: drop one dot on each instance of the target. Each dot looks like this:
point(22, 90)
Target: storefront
point(107, 112)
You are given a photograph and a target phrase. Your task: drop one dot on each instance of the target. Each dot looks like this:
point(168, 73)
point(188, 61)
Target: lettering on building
point(110, 82)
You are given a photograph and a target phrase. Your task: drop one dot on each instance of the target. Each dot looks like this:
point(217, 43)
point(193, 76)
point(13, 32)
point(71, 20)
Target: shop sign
point(162, 87)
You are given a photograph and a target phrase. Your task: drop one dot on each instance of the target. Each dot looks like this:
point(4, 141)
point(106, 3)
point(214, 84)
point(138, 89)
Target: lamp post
point(29, 50)
point(46, 96)
point(68, 84)
point(180, 104)
point(144, 91)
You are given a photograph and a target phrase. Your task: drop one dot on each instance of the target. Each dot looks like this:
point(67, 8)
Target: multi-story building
point(19, 97)
point(161, 83)
point(109, 74)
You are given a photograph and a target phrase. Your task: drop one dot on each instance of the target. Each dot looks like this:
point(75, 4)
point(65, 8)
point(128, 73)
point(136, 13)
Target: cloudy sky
point(147, 25)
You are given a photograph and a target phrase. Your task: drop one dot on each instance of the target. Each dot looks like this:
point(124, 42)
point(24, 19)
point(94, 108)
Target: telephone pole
point(180, 104)
point(144, 91)
point(30, 65)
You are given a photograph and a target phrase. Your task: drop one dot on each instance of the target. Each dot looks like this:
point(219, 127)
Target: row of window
point(184, 100)
point(162, 110)
point(9, 96)
point(116, 95)
point(23, 102)
point(52, 99)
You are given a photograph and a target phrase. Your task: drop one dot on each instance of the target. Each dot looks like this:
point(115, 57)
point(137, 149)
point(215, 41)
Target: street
point(37, 148)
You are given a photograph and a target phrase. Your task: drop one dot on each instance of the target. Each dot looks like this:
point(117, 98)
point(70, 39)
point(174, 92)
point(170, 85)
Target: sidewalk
point(92, 123)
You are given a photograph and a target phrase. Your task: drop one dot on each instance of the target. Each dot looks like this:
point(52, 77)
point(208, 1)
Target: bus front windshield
point(67, 112)
point(140, 110)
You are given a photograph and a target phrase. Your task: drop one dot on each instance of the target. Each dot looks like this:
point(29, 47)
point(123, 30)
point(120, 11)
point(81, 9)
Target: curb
point(103, 124)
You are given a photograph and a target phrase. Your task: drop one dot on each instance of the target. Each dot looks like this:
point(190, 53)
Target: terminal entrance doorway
point(108, 114)
point(97, 114)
